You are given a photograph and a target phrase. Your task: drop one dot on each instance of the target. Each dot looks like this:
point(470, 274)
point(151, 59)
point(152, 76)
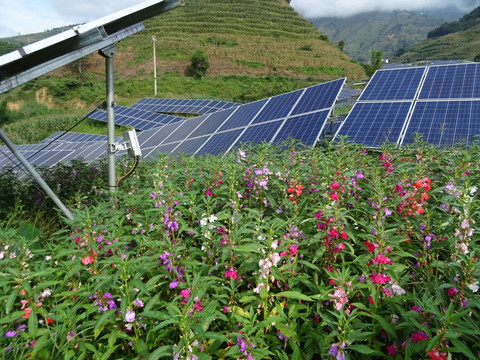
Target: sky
point(31, 16)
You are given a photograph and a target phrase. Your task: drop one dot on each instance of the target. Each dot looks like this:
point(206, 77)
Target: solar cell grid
point(243, 115)
point(372, 124)
point(452, 82)
point(395, 84)
point(305, 128)
point(185, 129)
point(444, 123)
point(190, 146)
point(219, 143)
point(259, 133)
point(316, 98)
point(212, 123)
point(278, 107)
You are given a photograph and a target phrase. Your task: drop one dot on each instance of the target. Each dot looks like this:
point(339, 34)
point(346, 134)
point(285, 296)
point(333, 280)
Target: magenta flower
point(185, 293)
point(419, 336)
point(10, 334)
point(452, 291)
point(130, 316)
point(379, 278)
point(232, 274)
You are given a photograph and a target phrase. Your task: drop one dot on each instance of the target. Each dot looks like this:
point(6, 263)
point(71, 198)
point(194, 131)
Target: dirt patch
point(15, 105)
point(76, 104)
point(42, 97)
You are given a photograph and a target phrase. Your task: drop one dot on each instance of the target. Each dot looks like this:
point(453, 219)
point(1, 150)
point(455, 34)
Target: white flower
point(275, 245)
point(474, 286)
point(396, 289)
point(203, 222)
point(275, 258)
point(48, 257)
point(212, 218)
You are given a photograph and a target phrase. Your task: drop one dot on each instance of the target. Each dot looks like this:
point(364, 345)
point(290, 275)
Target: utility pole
point(154, 40)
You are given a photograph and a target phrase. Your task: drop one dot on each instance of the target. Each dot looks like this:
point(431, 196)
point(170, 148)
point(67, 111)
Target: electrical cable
point(58, 137)
point(129, 172)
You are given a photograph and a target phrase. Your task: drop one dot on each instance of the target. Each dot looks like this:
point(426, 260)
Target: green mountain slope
point(462, 45)
point(246, 42)
point(387, 32)
point(466, 22)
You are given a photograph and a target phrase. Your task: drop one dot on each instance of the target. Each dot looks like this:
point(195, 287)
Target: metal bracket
point(109, 51)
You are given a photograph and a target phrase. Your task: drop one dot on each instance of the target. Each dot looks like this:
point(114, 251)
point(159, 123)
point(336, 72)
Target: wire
point(129, 172)
point(58, 137)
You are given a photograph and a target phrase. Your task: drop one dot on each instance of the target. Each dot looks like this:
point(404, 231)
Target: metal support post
point(108, 53)
point(154, 40)
point(35, 175)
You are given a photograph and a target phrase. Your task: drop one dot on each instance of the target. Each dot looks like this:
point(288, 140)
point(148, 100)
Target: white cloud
point(346, 8)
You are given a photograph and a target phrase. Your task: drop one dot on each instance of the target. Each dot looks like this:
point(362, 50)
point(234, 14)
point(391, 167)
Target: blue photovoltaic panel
point(212, 123)
point(183, 106)
point(452, 82)
point(185, 129)
point(152, 152)
point(373, 124)
point(395, 84)
point(305, 128)
point(278, 107)
point(444, 123)
point(243, 115)
point(318, 97)
point(136, 118)
point(190, 146)
point(260, 133)
point(219, 143)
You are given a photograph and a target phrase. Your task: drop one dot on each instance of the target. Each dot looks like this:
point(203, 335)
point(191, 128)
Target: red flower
point(371, 247)
point(419, 336)
point(49, 320)
point(437, 355)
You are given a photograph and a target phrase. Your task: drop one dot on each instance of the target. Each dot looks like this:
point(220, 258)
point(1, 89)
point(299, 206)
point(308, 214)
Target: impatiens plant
point(271, 252)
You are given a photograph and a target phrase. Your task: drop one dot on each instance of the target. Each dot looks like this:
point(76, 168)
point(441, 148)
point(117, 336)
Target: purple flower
point(173, 284)
point(333, 350)
point(138, 303)
point(111, 304)
point(10, 334)
point(107, 296)
point(130, 316)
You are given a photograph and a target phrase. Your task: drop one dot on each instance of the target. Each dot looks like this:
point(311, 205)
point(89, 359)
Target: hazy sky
point(30, 16)
point(345, 8)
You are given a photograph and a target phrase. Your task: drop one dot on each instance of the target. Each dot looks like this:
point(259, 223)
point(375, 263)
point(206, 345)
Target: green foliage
point(199, 64)
point(466, 22)
point(376, 63)
point(221, 41)
point(341, 45)
point(477, 58)
point(273, 252)
point(308, 47)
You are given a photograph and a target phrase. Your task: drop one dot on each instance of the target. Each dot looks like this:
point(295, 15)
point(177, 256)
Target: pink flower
point(130, 316)
point(185, 293)
point(382, 259)
point(89, 258)
point(379, 278)
point(293, 249)
point(232, 274)
point(419, 336)
point(452, 291)
point(391, 349)
point(339, 297)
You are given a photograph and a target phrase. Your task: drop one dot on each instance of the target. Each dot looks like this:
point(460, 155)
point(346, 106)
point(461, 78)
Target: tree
point(377, 62)
point(341, 44)
point(199, 64)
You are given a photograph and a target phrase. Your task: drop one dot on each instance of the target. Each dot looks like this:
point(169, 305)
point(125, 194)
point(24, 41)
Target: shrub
point(199, 64)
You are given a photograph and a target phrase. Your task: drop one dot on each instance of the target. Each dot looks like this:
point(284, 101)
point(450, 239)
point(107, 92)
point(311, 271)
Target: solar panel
point(305, 128)
point(182, 106)
point(452, 82)
point(257, 122)
point(373, 124)
point(318, 97)
point(278, 107)
point(444, 123)
point(219, 143)
point(395, 84)
point(136, 118)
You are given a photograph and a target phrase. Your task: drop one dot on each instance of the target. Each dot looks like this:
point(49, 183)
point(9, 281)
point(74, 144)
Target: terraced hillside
point(248, 37)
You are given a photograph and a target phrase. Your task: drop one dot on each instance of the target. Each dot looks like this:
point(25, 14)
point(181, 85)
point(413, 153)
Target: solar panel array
point(136, 118)
point(439, 102)
point(182, 106)
point(300, 114)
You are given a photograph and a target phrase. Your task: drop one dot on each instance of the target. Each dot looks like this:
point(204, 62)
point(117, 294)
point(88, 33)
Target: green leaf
point(462, 348)
point(162, 352)
point(32, 324)
point(248, 248)
point(10, 300)
point(110, 351)
point(365, 349)
point(294, 295)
